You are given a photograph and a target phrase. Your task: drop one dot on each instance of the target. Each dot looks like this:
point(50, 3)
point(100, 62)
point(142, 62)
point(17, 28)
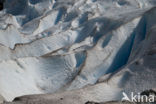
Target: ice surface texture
point(49, 46)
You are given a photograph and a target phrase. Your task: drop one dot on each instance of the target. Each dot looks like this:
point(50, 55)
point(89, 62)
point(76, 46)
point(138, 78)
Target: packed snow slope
point(92, 49)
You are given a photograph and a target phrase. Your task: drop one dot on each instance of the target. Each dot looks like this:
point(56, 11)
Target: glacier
point(72, 52)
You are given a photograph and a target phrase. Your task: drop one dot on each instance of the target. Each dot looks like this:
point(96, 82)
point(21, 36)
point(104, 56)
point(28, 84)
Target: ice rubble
point(52, 46)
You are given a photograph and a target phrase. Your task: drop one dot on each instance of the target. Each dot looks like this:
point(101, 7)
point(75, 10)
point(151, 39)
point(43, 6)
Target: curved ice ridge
point(55, 45)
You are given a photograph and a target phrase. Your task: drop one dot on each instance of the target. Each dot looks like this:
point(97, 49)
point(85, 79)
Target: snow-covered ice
point(92, 49)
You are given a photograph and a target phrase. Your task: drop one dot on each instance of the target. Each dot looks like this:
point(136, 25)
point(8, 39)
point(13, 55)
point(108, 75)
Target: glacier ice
point(84, 50)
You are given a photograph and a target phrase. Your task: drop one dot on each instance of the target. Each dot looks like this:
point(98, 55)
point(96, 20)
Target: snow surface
point(49, 46)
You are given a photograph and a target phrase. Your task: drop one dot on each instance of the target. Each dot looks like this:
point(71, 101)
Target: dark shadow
point(21, 7)
point(148, 92)
point(136, 37)
point(15, 7)
point(123, 54)
point(70, 16)
point(62, 12)
point(35, 1)
point(2, 4)
point(90, 28)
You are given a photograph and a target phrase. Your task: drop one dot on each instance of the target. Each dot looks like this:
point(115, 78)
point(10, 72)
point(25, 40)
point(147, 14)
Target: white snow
point(49, 46)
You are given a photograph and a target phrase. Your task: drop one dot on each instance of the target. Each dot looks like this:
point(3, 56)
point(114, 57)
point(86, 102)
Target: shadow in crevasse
point(2, 4)
point(15, 7)
point(62, 12)
point(108, 25)
point(122, 57)
point(21, 8)
point(91, 28)
point(35, 1)
point(124, 52)
point(143, 30)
